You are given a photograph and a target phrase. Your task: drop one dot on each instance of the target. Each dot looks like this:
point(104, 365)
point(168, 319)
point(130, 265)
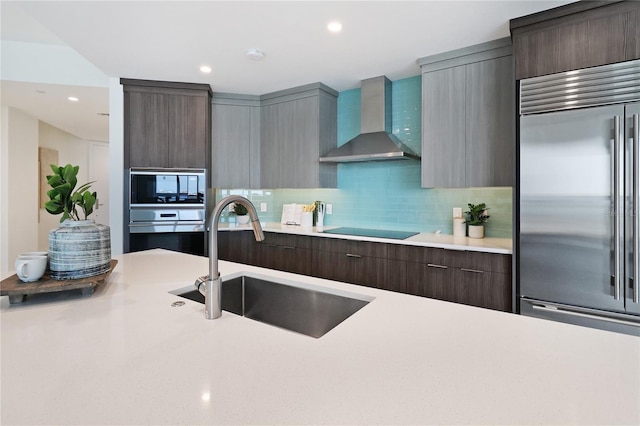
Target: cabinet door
point(235, 146)
point(237, 246)
point(443, 128)
point(147, 126)
point(430, 280)
point(188, 127)
point(289, 146)
point(490, 119)
point(602, 35)
point(482, 289)
point(352, 268)
point(281, 252)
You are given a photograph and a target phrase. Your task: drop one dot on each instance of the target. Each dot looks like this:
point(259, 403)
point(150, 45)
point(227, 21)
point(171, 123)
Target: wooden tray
point(18, 290)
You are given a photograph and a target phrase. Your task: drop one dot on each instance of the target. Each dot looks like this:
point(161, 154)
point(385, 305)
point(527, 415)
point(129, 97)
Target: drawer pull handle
point(476, 271)
point(288, 247)
point(432, 265)
point(356, 256)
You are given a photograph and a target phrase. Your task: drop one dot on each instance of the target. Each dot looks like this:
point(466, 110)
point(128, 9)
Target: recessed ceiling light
point(255, 54)
point(205, 69)
point(73, 99)
point(334, 26)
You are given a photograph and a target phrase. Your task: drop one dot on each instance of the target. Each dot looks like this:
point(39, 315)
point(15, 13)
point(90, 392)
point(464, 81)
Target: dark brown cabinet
point(166, 124)
point(358, 262)
point(237, 246)
point(472, 278)
point(574, 36)
point(284, 252)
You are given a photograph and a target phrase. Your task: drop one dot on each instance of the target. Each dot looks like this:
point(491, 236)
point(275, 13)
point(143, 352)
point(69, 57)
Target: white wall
point(20, 178)
point(71, 150)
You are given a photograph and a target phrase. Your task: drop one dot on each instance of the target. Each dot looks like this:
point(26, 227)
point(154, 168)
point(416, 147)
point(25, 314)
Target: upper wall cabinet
point(166, 124)
point(298, 126)
point(574, 36)
point(468, 118)
point(235, 141)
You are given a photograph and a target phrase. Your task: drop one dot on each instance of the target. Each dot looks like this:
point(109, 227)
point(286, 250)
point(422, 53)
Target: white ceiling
point(170, 40)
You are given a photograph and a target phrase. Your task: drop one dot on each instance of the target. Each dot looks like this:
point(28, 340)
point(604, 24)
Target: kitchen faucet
point(212, 284)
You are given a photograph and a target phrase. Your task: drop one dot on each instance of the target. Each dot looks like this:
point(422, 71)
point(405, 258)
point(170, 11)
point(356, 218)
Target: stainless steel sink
point(304, 309)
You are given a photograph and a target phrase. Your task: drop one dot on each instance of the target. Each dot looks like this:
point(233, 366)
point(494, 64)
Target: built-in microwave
point(167, 210)
point(167, 188)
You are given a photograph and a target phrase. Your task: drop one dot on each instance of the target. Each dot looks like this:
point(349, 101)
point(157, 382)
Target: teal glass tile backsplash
point(387, 195)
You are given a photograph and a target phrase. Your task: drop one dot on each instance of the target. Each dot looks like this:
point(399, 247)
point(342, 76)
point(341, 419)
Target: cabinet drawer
point(488, 262)
point(459, 285)
point(275, 238)
point(354, 247)
point(426, 255)
point(362, 270)
point(460, 259)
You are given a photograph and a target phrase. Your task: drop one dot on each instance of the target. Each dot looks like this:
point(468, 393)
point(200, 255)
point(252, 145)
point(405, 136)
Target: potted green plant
point(62, 197)
point(476, 217)
point(78, 248)
point(241, 213)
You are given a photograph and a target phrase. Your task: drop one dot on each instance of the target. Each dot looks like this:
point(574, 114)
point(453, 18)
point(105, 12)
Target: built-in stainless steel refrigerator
point(578, 197)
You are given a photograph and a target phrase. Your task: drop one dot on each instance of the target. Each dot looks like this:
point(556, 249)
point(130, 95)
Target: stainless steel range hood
point(375, 143)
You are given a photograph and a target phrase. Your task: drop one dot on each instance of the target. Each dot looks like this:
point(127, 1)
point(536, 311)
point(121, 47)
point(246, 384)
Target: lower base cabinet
point(374, 272)
point(479, 288)
point(357, 262)
point(283, 252)
point(471, 278)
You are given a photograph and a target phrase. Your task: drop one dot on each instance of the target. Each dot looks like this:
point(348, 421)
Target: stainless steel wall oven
point(167, 209)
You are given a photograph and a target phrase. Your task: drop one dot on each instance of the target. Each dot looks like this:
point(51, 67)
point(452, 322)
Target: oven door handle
point(167, 223)
point(166, 227)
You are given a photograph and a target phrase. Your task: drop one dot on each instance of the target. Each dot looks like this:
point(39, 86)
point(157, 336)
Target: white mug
point(34, 253)
point(30, 268)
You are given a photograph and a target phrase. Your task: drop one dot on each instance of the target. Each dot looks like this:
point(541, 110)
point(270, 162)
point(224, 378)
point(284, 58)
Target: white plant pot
point(242, 220)
point(476, 231)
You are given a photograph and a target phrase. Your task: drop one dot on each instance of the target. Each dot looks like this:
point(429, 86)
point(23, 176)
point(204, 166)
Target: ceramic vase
point(476, 231)
point(79, 249)
point(242, 219)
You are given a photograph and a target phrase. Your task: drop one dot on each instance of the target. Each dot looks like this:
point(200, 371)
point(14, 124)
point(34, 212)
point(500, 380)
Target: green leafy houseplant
point(239, 209)
point(476, 215)
point(62, 197)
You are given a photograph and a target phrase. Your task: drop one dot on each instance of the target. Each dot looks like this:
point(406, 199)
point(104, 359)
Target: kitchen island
point(125, 355)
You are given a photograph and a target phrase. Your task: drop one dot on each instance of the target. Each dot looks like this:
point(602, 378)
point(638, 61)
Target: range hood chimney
point(375, 142)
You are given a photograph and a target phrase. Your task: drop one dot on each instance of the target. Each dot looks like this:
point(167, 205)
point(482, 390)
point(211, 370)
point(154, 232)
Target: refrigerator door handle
point(615, 189)
point(636, 210)
point(559, 310)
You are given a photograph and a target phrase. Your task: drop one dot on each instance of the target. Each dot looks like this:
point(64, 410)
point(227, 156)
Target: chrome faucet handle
point(199, 282)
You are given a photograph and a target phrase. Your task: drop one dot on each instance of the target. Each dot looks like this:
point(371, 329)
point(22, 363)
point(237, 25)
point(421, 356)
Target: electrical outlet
point(263, 207)
point(329, 208)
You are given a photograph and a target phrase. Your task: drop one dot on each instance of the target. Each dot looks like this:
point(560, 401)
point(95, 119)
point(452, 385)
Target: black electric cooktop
point(375, 233)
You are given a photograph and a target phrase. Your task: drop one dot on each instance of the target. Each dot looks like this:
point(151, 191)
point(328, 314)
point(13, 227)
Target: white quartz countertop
point(125, 356)
point(424, 239)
